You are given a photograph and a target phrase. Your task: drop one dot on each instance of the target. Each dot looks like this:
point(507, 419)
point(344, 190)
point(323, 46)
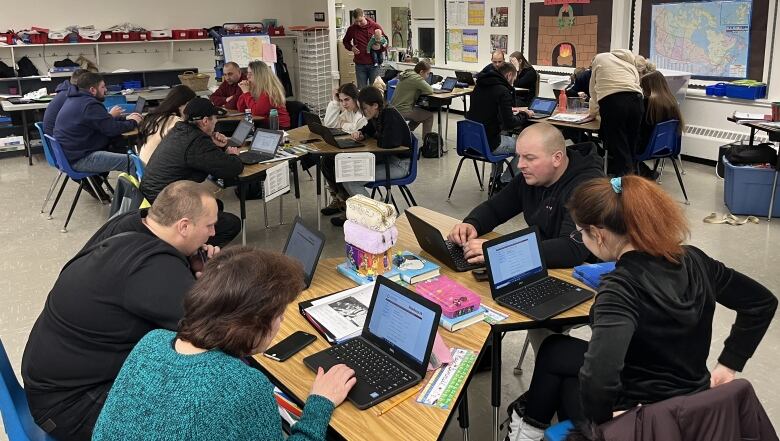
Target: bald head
point(541, 153)
point(497, 58)
point(544, 135)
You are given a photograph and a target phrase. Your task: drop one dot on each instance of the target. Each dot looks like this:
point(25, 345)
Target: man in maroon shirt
point(356, 40)
point(228, 92)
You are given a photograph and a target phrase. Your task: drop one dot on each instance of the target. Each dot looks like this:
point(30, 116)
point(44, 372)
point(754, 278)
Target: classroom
point(516, 220)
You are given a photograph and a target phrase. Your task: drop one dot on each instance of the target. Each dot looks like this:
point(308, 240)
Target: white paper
point(277, 181)
point(355, 167)
point(343, 314)
point(568, 117)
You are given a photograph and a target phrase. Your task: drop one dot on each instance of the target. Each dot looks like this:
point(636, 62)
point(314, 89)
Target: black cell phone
point(289, 346)
point(480, 274)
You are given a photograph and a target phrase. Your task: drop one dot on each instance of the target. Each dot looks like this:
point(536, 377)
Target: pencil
point(398, 400)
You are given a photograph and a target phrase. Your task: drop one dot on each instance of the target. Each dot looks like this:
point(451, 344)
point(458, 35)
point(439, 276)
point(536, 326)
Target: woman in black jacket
point(652, 316)
point(526, 79)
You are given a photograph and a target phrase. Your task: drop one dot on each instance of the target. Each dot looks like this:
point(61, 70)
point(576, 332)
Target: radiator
point(703, 142)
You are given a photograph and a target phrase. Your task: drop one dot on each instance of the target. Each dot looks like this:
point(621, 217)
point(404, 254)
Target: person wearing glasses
point(651, 318)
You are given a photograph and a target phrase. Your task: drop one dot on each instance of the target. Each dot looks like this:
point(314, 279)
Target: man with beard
point(85, 129)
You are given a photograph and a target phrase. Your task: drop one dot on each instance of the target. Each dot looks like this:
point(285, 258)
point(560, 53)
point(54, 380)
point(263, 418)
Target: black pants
point(227, 228)
point(555, 386)
point(621, 116)
point(328, 168)
point(70, 419)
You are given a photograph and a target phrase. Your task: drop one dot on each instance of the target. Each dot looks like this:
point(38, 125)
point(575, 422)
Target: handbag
point(372, 214)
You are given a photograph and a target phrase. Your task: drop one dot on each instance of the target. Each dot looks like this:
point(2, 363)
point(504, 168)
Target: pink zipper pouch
point(375, 242)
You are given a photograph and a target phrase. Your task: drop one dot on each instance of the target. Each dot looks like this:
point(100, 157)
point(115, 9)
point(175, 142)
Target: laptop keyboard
point(370, 365)
point(530, 296)
point(456, 252)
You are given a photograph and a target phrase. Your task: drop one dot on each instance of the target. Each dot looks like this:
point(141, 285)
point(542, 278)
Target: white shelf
point(97, 43)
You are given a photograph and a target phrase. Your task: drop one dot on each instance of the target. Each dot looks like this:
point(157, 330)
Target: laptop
point(323, 131)
point(139, 107)
point(543, 107)
point(309, 118)
point(465, 77)
point(447, 86)
point(242, 131)
point(432, 242)
point(304, 245)
point(392, 353)
point(263, 147)
point(519, 280)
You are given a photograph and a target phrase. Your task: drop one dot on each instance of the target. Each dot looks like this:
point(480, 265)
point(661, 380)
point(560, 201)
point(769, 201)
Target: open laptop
point(392, 353)
point(543, 107)
point(432, 242)
point(304, 245)
point(330, 139)
point(464, 77)
point(263, 147)
point(309, 118)
point(242, 131)
point(519, 280)
point(140, 104)
point(447, 86)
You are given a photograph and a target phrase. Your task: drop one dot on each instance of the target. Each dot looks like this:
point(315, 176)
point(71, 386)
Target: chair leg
point(108, 186)
point(373, 192)
point(403, 193)
point(509, 167)
point(682, 169)
point(91, 184)
point(455, 178)
point(411, 198)
point(479, 178)
point(59, 194)
point(679, 179)
point(73, 206)
point(53, 185)
point(392, 199)
point(519, 368)
point(661, 170)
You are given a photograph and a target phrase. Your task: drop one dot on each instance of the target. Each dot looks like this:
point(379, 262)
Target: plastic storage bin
point(716, 89)
point(180, 34)
point(746, 92)
point(747, 190)
point(132, 84)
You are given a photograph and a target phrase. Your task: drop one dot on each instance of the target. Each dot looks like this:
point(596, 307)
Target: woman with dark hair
point(660, 106)
point(651, 319)
point(194, 384)
point(526, 79)
point(159, 121)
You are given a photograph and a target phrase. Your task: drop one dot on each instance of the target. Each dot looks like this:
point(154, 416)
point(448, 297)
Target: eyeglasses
point(576, 235)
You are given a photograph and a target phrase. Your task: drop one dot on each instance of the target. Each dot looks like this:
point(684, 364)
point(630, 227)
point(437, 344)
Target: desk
point(439, 100)
point(23, 108)
point(588, 129)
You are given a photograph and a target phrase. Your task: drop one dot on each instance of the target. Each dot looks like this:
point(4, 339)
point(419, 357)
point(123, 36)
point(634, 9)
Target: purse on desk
point(372, 214)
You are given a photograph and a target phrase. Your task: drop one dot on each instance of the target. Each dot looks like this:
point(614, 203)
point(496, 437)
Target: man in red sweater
point(356, 40)
point(228, 92)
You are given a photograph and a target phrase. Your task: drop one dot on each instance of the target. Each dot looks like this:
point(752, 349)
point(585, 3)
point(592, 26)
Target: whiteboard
point(243, 49)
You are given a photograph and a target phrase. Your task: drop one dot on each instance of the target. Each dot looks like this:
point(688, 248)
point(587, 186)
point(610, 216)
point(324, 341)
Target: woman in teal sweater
point(193, 384)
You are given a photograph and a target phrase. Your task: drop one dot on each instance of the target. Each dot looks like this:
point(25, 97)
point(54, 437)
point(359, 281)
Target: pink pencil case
point(375, 242)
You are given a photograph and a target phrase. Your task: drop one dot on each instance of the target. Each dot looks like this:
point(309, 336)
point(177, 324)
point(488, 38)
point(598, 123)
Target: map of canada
point(709, 39)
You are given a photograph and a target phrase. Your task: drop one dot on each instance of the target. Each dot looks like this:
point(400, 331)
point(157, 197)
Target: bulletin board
point(474, 28)
point(243, 49)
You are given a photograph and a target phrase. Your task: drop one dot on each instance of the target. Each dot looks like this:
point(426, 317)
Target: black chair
point(294, 108)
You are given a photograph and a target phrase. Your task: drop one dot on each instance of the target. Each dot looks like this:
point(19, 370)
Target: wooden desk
point(585, 131)
point(439, 100)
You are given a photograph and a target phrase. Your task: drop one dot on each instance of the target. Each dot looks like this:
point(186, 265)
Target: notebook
point(394, 348)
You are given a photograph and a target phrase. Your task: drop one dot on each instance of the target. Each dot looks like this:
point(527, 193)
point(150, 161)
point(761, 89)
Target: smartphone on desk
point(289, 346)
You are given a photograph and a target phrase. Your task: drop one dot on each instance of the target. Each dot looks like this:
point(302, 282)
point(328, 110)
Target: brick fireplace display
point(573, 46)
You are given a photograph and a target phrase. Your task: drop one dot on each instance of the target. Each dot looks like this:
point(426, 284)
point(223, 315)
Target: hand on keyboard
point(472, 251)
point(462, 233)
point(334, 384)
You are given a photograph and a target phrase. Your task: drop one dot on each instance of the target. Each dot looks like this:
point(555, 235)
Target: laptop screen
point(241, 132)
point(304, 245)
point(402, 323)
point(266, 141)
point(514, 259)
point(449, 83)
point(540, 105)
point(140, 104)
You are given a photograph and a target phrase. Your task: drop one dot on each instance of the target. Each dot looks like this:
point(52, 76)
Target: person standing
point(228, 92)
point(356, 40)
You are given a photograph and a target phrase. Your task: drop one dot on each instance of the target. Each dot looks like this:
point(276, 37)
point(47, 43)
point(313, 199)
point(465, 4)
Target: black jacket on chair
point(186, 153)
point(491, 105)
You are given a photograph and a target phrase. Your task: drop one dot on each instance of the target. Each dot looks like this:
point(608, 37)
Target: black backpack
point(5, 71)
point(433, 146)
point(746, 154)
point(26, 67)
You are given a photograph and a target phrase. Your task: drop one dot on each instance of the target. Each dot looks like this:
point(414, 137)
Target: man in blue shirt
point(53, 109)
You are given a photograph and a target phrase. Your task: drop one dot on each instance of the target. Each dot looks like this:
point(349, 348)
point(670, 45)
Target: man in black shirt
point(129, 279)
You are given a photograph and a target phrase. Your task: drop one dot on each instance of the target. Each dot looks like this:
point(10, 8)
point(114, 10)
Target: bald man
point(549, 173)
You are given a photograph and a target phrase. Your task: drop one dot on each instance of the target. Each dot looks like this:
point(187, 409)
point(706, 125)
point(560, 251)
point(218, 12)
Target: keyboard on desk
point(458, 258)
point(371, 366)
point(545, 298)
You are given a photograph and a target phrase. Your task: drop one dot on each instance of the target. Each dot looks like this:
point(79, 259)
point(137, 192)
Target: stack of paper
point(575, 118)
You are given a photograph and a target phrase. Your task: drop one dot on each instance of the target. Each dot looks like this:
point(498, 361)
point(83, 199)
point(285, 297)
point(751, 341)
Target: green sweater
point(410, 86)
point(163, 395)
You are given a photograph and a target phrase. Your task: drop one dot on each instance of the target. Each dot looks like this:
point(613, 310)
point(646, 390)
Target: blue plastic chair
point(473, 144)
point(665, 142)
point(139, 165)
point(52, 162)
point(558, 432)
point(19, 424)
point(391, 89)
point(401, 183)
point(64, 166)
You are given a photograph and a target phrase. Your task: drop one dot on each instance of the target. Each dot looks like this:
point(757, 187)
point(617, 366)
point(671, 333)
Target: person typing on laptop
point(412, 84)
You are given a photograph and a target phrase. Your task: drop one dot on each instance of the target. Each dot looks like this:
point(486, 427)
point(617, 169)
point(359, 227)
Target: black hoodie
point(544, 207)
point(491, 104)
point(652, 329)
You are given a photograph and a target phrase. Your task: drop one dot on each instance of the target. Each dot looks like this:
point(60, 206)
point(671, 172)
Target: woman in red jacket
point(262, 91)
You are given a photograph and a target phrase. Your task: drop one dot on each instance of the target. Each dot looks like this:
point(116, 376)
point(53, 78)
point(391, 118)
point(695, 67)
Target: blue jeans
point(507, 147)
point(102, 161)
point(366, 74)
point(399, 167)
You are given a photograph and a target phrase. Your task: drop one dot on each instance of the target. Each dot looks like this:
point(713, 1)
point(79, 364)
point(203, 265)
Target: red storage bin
point(180, 34)
point(194, 34)
point(144, 36)
point(106, 36)
point(7, 38)
point(122, 36)
point(135, 35)
point(39, 38)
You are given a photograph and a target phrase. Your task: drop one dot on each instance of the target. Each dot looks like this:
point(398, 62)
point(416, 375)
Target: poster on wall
point(454, 45)
point(499, 17)
point(499, 42)
point(470, 45)
point(457, 13)
point(568, 35)
point(399, 22)
point(476, 12)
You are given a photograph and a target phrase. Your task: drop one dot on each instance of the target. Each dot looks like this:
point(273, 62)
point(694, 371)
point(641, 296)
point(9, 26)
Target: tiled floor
point(34, 250)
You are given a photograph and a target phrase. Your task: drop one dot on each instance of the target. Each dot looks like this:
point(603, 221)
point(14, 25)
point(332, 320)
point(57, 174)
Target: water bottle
point(273, 120)
point(562, 102)
point(248, 115)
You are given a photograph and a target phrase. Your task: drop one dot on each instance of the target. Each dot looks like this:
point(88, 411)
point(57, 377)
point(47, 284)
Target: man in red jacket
point(228, 92)
point(356, 40)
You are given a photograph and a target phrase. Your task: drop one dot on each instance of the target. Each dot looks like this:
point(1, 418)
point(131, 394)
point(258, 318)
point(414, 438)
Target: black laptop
point(392, 353)
point(543, 107)
point(242, 131)
point(330, 139)
point(447, 86)
point(140, 104)
point(309, 118)
point(263, 147)
point(519, 280)
point(464, 77)
point(304, 245)
point(432, 242)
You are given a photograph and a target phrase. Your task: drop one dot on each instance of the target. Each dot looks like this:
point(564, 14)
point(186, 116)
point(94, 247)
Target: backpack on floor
point(433, 146)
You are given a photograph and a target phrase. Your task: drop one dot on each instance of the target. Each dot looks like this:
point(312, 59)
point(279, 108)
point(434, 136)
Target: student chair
point(52, 162)
point(139, 165)
point(294, 109)
point(559, 431)
point(19, 424)
point(665, 142)
point(473, 144)
point(391, 89)
point(401, 183)
point(64, 166)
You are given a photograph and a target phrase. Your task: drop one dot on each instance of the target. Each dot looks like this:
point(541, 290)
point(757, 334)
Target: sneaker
point(336, 206)
point(338, 221)
point(520, 430)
